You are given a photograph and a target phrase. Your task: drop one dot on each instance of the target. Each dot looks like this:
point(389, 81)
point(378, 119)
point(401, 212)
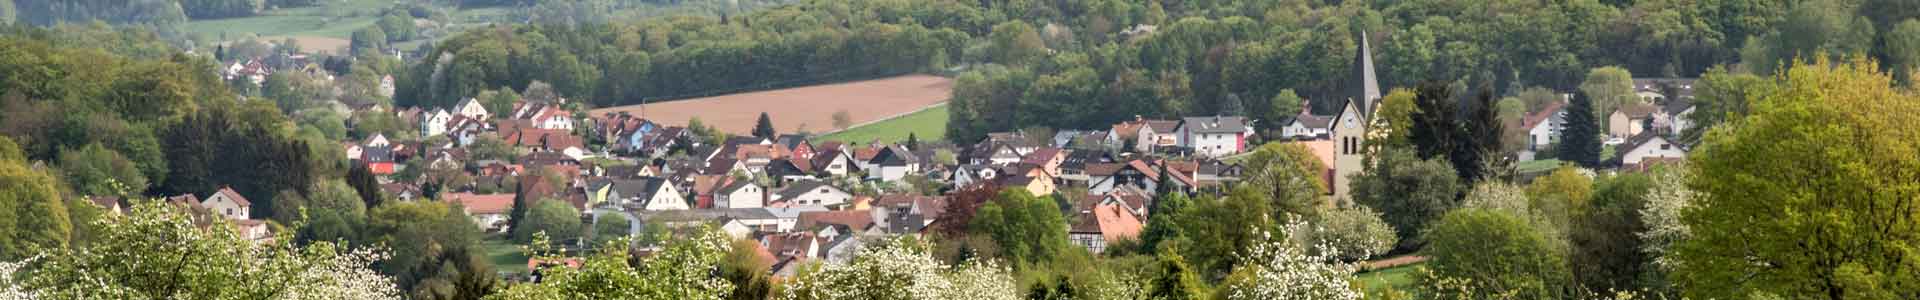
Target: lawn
point(1378, 282)
point(1537, 165)
point(927, 124)
point(504, 254)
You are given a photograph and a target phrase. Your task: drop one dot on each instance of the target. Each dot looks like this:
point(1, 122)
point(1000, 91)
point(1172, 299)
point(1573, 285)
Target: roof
point(858, 220)
point(1041, 155)
point(1369, 85)
point(701, 215)
point(801, 187)
point(1216, 124)
point(233, 195)
point(1635, 142)
point(1127, 130)
point(482, 204)
point(1112, 222)
point(791, 141)
point(1163, 126)
point(707, 184)
point(736, 185)
point(930, 206)
point(1675, 106)
point(895, 155)
point(643, 187)
point(1313, 121)
point(105, 201)
point(1104, 169)
point(1639, 111)
point(1550, 113)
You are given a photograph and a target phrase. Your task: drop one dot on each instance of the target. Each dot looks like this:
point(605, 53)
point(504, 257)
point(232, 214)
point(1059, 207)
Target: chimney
point(1306, 106)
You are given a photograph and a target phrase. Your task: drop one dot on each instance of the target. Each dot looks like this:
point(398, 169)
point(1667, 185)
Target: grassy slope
point(927, 124)
point(1379, 282)
point(336, 20)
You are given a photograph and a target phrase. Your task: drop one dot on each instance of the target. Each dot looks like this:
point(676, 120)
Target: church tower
point(1350, 124)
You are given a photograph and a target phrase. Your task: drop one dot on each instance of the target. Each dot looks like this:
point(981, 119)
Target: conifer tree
point(764, 127)
point(1580, 141)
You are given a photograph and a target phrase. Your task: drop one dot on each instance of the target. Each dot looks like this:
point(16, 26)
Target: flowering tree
point(684, 269)
point(1282, 268)
point(160, 252)
point(902, 270)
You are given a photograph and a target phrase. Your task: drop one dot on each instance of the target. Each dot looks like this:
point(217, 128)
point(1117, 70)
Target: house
point(1041, 184)
point(893, 163)
point(228, 203)
point(741, 194)
point(488, 211)
point(909, 213)
point(1215, 136)
point(1306, 125)
point(1657, 90)
point(796, 144)
point(834, 162)
point(967, 175)
point(401, 191)
point(1003, 154)
point(1048, 158)
point(1097, 221)
point(813, 193)
point(854, 221)
point(645, 194)
point(1679, 114)
point(1630, 120)
point(379, 160)
point(1543, 127)
point(788, 170)
point(472, 109)
point(1350, 124)
point(1647, 146)
point(1106, 177)
point(109, 203)
point(542, 115)
point(434, 123)
point(1130, 133)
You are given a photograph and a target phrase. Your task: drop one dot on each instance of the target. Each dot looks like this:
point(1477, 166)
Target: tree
point(1408, 192)
point(1609, 88)
point(746, 270)
point(1607, 252)
point(1164, 223)
point(1287, 173)
point(1284, 268)
point(682, 269)
point(1173, 279)
point(1219, 231)
point(1015, 42)
point(489, 146)
point(763, 127)
point(842, 120)
point(95, 170)
point(436, 251)
point(1283, 106)
point(1392, 124)
point(1562, 195)
point(1903, 50)
point(1494, 251)
point(1345, 233)
point(1828, 235)
point(1580, 141)
point(1468, 137)
point(158, 252)
point(556, 218)
point(901, 270)
point(1661, 215)
point(335, 195)
point(611, 227)
point(369, 40)
point(366, 185)
point(913, 141)
point(1027, 228)
point(32, 216)
point(398, 27)
point(1720, 96)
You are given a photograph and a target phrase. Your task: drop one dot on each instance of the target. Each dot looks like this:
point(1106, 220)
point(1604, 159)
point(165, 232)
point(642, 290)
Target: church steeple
point(1368, 89)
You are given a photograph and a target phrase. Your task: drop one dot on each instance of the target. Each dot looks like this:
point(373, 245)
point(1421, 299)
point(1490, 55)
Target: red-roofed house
point(228, 203)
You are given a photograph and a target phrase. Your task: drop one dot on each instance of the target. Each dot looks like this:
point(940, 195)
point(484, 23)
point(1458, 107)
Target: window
point(229, 211)
point(1666, 147)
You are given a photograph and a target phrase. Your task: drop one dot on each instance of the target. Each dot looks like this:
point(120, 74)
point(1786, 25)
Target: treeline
point(118, 126)
point(681, 57)
point(1254, 57)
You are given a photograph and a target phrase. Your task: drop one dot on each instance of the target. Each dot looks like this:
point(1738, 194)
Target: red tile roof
point(482, 204)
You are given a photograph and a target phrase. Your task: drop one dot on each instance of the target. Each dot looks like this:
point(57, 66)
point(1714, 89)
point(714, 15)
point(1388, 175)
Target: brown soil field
point(811, 106)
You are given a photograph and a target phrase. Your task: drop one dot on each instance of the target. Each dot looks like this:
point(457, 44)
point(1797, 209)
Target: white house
point(834, 161)
point(1215, 136)
point(892, 164)
point(1679, 114)
point(488, 211)
point(1306, 126)
point(741, 194)
point(378, 140)
point(649, 194)
point(1543, 128)
point(228, 204)
point(471, 108)
point(814, 193)
point(435, 123)
point(1645, 146)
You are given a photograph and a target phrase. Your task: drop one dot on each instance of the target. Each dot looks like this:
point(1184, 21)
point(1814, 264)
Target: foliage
point(1391, 124)
point(1607, 252)
point(901, 270)
point(244, 146)
point(1345, 233)
point(435, 247)
point(1284, 268)
point(1830, 234)
point(1493, 251)
point(746, 270)
point(1289, 174)
point(554, 217)
point(1609, 88)
point(1164, 223)
point(96, 170)
point(1567, 190)
point(763, 127)
point(1721, 96)
point(1218, 231)
point(366, 185)
point(683, 269)
point(1027, 228)
point(1173, 279)
point(1580, 140)
point(1466, 134)
point(1407, 191)
point(160, 252)
point(33, 218)
point(1661, 215)
point(610, 227)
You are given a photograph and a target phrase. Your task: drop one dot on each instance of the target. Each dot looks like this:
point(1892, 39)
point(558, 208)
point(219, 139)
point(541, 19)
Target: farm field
point(809, 107)
point(928, 124)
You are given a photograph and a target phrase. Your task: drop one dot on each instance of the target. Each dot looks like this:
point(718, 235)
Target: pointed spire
point(1369, 85)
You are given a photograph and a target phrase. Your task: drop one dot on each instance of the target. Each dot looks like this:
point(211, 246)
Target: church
point(1350, 124)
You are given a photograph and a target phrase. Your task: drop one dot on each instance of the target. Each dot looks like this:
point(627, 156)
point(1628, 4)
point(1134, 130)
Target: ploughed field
point(810, 107)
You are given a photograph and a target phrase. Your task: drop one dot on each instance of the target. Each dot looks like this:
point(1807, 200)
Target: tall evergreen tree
point(1469, 136)
point(1478, 155)
point(913, 141)
point(1580, 141)
point(763, 128)
point(363, 182)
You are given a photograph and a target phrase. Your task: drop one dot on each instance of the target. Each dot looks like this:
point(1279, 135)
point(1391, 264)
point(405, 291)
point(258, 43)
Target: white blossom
point(1281, 268)
point(902, 272)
